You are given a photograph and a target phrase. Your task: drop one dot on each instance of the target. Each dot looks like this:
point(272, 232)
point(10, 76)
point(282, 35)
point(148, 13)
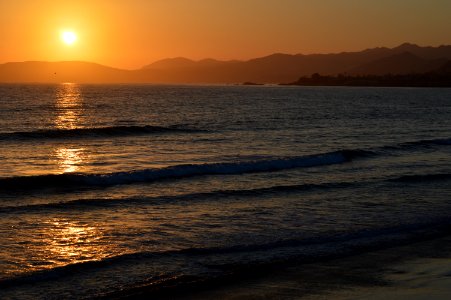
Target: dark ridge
point(105, 203)
point(93, 132)
point(218, 194)
point(440, 142)
point(419, 144)
point(423, 178)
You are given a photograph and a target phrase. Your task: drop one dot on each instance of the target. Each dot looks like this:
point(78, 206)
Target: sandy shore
point(418, 279)
point(416, 271)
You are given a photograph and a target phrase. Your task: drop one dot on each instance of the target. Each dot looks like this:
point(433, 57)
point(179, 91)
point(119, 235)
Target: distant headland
point(440, 77)
point(405, 65)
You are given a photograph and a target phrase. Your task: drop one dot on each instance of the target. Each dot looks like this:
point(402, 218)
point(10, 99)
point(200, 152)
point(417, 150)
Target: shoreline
point(420, 270)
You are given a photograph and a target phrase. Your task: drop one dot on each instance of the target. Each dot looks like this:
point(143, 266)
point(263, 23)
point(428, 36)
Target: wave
point(177, 171)
point(133, 201)
point(423, 178)
point(189, 170)
point(445, 141)
point(100, 203)
point(110, 131)
point(233, 258)
point(419, 144)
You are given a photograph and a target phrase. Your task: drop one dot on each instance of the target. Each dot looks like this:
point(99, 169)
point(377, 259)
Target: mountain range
point(276, 68)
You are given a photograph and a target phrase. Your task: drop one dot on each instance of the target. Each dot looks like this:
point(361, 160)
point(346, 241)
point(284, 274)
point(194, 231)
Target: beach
point(416, 271)
point(419, 270)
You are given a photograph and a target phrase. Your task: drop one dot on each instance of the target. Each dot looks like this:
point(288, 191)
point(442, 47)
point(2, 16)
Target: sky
point(132, 33)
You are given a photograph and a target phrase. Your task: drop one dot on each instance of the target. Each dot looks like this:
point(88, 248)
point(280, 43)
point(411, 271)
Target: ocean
point(106, 189)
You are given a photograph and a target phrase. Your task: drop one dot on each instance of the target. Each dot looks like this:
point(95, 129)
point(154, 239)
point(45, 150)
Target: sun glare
point(68, 37)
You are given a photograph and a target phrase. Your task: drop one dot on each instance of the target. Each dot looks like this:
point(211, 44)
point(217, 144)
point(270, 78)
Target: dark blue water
point(105, 188)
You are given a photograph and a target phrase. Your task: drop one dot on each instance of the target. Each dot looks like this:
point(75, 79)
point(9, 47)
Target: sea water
point(105, 188)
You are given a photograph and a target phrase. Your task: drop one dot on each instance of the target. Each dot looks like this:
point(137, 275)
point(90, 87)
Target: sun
point(68, 37)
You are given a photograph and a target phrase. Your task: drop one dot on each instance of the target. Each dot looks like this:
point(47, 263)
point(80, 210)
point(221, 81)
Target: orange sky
point(132, 33)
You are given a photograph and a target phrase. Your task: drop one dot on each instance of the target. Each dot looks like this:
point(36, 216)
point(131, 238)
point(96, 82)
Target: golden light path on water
point(69, 106)
point(69, 115)
point(70, 159)
point(66, 240)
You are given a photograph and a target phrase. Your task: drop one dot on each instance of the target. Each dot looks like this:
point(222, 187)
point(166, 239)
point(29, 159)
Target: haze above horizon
point(133, 33)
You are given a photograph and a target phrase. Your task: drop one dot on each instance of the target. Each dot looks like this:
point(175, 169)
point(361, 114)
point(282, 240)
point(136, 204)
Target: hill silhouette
point(442, 51)
point(275, 68)
point(403, 63)
point(182, 62)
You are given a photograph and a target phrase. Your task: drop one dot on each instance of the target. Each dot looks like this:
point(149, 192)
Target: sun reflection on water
point(69, 114)
point(62, 241)
point(68, 242)
point(68, 106)
point(70, 159)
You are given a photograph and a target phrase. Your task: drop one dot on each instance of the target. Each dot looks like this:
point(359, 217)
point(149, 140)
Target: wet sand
point(417, 271)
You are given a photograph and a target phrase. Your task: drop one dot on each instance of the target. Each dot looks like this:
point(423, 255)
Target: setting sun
point(68, 37)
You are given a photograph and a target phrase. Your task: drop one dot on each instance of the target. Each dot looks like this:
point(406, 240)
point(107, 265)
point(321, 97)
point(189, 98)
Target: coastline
point(420, 270)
